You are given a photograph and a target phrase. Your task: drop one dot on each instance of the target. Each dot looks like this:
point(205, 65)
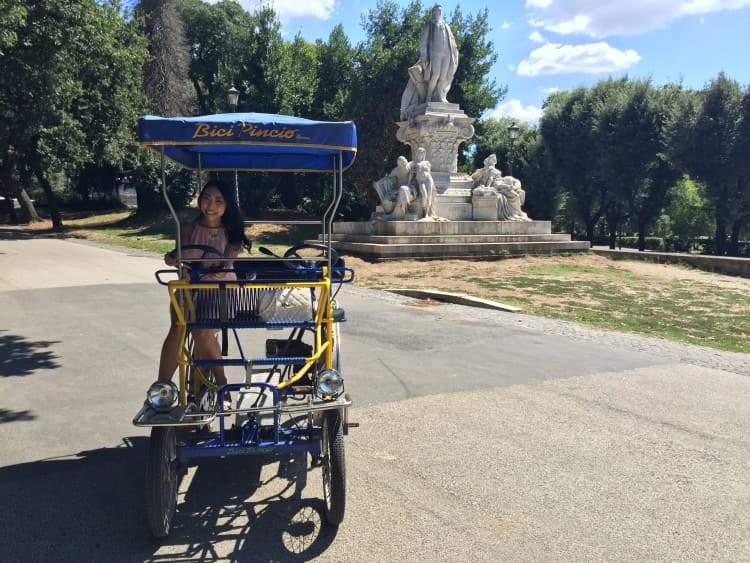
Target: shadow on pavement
point(90, 506)
point(7, 415)
point(19, 356)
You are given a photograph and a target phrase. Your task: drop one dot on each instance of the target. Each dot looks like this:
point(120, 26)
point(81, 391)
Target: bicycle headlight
point(329, 384)
point(162, 395)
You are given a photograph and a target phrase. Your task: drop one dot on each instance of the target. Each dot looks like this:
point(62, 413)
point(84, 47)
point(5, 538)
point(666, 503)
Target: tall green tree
point(335, 73)
point(635, 165)
point(569, 129)
point(165, 77)
point(70, 90)
point(710, 142)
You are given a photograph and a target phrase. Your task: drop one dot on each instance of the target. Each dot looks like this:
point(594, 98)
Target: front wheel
point(334, 469)
point(161, 480)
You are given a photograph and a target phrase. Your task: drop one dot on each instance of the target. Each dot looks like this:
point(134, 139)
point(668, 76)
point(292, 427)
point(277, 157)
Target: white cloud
point(551, 90)
point(286, 9)
point(536, 37)
point(505, 25)
point(590, 58)
point(618, 17)
point(516, 110)
point(579, 24)
point(538, 3)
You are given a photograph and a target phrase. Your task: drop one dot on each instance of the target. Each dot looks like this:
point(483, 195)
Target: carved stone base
point(440, 129)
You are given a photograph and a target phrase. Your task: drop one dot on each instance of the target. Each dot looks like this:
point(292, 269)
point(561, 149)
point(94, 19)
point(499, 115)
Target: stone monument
point(427, 208)
point(431, 122)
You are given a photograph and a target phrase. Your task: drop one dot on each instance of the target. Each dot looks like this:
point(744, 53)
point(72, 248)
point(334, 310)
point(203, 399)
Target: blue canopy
point(250, 141)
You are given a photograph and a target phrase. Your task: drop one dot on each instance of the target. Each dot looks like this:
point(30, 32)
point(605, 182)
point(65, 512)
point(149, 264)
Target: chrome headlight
point(329, 384)
point(162, 395)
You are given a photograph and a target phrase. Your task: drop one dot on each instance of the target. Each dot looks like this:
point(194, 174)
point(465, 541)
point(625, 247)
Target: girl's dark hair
point(232, 219)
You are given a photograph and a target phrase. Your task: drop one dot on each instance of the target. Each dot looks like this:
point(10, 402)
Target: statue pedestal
point(485, 207)
point(440, 129)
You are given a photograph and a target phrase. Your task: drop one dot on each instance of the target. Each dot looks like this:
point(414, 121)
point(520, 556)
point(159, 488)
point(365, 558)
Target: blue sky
point(548, 45)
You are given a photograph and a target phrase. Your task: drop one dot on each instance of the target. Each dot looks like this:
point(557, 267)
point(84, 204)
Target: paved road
point(481, 438)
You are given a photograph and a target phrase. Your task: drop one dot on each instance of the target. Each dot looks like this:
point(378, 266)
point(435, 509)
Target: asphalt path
point(479, 441)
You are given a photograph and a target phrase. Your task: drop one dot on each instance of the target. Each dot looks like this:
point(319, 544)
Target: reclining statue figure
point(489, 181)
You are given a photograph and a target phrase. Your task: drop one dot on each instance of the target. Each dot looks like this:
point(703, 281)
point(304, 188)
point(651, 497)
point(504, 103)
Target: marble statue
point(422, 179)
point(431, 77)
point(489, 183)
point(395, 191)
point(485, 177)
point(511, 200)
point(408, 192)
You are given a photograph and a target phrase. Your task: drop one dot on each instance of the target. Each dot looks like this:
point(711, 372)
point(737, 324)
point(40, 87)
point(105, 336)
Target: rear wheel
point(161, 480)
point(334, 469)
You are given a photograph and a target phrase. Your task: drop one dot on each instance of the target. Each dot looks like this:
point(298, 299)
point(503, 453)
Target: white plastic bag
point(287, 304)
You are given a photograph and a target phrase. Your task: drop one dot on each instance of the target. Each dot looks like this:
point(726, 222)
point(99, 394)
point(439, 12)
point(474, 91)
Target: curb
point(456, 298)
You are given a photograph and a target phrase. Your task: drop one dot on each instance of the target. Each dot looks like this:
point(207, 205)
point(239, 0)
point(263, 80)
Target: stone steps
point(462, 250)
point(391, 240)
point(452, 239)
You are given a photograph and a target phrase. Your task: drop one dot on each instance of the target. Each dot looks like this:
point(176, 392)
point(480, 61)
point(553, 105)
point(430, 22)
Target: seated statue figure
point(408, 192)
point(489, 181)
point(395, 192)
point(484, 178)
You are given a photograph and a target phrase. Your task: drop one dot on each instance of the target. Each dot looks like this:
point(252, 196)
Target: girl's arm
point(186, 233)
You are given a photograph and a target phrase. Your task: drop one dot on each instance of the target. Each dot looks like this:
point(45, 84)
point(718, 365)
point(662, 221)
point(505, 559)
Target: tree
point(84, 62)
point(335, 75)
point(165, 77)
point(687, 210)
point(569, 133)
point(635, 165)
point(709, 140)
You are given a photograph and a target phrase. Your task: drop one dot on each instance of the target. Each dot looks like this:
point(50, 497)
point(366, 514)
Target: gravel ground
point(667, 349)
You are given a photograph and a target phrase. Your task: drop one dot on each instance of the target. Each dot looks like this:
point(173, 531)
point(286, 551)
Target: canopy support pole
point(171, 207)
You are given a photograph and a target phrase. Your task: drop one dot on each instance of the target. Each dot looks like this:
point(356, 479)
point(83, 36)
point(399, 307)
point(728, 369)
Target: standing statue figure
point(430, 78)
point(439, 56)
point(408, 192)
point(422, 179)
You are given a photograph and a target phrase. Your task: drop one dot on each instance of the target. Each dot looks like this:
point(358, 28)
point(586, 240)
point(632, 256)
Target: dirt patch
point(437, 274)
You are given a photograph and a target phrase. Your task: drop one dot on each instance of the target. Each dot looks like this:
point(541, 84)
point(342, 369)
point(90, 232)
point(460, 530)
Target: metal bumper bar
point(179, 416)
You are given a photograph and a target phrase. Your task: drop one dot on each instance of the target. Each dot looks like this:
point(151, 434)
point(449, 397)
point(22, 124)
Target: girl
point(219, 225)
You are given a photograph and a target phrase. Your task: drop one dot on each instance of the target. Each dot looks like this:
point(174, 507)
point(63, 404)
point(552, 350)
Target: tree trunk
point(590, 227)
point(734, 239)
point(57, 223)
point(720, 241)
point(12, 189)
point(28, 206)
point(641, 240)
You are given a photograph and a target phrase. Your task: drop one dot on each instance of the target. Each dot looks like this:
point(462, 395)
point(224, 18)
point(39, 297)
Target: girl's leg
point(210, 349)
point(168, 359)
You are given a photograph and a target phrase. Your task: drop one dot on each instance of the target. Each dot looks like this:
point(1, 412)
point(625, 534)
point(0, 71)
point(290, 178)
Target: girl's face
point(212, 206)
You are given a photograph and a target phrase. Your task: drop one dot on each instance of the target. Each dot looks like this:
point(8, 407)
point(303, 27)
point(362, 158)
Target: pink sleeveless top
point(213, 237)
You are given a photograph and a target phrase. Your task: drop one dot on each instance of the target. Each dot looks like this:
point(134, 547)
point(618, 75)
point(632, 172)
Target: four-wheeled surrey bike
point(291, 399)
